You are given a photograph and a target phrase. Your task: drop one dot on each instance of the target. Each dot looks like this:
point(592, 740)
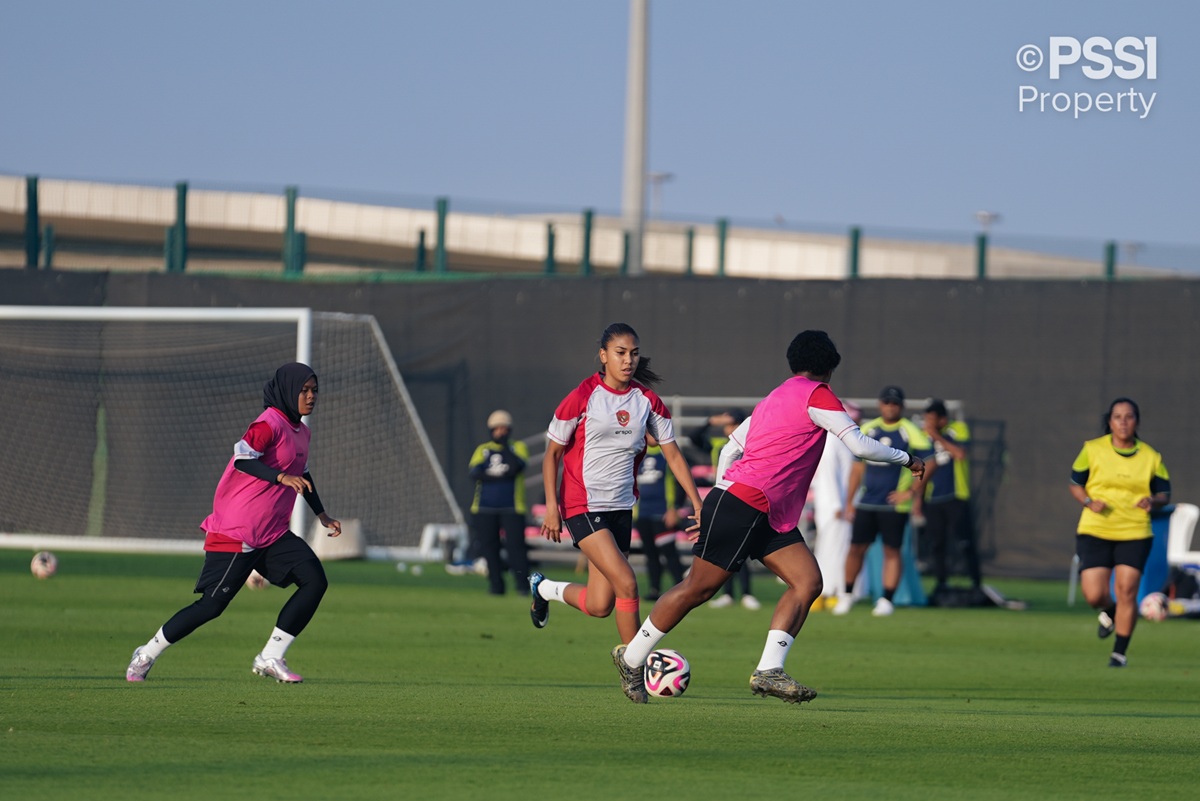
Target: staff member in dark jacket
point(499, 504)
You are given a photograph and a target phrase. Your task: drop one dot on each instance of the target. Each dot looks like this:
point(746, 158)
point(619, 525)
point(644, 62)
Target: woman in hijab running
point(248, 529)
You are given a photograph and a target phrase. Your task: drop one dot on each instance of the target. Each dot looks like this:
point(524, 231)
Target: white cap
point(499, 418)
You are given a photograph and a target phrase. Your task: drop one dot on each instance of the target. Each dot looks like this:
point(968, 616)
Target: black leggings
point(949, 529)
point(485, 528)
point(288, 560)
point(656, 555)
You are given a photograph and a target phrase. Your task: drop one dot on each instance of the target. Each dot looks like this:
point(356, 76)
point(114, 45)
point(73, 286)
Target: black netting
point(121, 429)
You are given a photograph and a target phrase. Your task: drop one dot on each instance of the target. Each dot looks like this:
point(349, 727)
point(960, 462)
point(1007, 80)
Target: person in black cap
point(890, 494)
point(710, 437)
point(947, 492)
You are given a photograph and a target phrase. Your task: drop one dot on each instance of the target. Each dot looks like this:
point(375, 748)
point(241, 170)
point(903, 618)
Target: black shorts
point(888, 525)
point(226, 571)
point(620, 523)
point(732, 531)
point(1097, 552)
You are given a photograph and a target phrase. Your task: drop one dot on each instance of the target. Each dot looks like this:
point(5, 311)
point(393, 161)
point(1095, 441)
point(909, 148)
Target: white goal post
point(120, 420)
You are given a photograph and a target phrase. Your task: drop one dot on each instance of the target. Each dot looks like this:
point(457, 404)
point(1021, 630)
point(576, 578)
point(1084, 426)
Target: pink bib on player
point(254, 511)
point(783, 449)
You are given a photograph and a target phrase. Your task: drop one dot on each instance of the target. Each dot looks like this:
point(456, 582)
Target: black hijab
point(283, 391)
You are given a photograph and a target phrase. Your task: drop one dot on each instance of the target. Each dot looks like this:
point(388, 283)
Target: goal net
point(119, 421)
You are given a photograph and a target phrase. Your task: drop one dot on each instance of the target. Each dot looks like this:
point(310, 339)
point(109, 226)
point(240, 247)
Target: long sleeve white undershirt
point(844, 428)
point(837, 423)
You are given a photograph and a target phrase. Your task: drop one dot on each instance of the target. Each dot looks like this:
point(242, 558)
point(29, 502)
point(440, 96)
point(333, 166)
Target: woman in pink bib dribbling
point(753, 511)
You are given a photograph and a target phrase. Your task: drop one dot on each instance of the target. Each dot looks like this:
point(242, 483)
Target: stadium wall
point(1042, 357)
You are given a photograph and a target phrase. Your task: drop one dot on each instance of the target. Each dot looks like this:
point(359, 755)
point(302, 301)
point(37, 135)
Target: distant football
point(44, 565)
point(1155, 607)
point(667, 673)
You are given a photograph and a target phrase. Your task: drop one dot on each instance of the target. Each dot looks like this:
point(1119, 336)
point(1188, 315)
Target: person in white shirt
point(830, 485)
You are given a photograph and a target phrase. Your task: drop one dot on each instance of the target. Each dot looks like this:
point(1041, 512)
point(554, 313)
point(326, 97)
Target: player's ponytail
point(644, 375)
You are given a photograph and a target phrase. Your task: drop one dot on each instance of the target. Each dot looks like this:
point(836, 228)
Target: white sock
point(278, 644)
point(553, 590)
point(776, 650)
point(645, 641)
point(158, 643)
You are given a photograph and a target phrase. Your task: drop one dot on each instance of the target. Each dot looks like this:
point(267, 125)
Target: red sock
point(583, 602)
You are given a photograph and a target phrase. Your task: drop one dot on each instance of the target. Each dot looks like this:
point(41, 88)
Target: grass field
point(425, 687)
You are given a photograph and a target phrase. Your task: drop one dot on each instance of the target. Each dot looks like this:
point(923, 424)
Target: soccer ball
point(44, 565)
point(255, 580)
point(667, 673)
point(1154, 607)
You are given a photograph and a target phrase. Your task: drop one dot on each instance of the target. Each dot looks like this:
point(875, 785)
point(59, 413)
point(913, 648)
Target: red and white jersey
point(604, 432)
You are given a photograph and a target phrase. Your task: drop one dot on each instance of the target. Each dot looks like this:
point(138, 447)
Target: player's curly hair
point(813, 352)
point(642, 374)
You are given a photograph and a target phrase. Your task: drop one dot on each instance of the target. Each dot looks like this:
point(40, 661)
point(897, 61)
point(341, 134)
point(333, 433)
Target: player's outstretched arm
point(844, 428)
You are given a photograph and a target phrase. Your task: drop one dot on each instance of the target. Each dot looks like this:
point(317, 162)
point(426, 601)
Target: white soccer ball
point(256, 580)
point(44, 565)
point(667, 673)
point(1155, 607)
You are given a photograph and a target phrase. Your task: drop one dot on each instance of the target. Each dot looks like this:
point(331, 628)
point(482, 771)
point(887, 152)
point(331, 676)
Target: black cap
point(892, 393)
point(938, 407)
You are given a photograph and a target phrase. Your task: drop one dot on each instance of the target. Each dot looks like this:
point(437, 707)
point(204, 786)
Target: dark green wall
point(1042, 358)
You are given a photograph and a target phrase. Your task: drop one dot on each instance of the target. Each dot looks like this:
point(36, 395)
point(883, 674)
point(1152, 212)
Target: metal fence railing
point(69, 224)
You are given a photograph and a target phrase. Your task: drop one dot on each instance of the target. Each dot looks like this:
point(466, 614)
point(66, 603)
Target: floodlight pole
point(633, 195)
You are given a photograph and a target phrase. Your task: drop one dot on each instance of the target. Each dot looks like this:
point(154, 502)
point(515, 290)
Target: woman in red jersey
point(598, 438)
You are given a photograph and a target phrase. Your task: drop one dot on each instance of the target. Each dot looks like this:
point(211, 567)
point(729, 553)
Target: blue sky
point(888, 115)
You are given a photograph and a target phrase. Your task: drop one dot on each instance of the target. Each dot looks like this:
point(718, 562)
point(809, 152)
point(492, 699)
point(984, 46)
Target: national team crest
point(623, 417)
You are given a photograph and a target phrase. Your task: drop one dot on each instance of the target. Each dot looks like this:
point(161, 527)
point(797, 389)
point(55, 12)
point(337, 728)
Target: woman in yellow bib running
point(1119, 480)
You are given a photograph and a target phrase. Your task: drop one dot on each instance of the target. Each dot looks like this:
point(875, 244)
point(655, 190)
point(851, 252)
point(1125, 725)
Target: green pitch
point(425, 687)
